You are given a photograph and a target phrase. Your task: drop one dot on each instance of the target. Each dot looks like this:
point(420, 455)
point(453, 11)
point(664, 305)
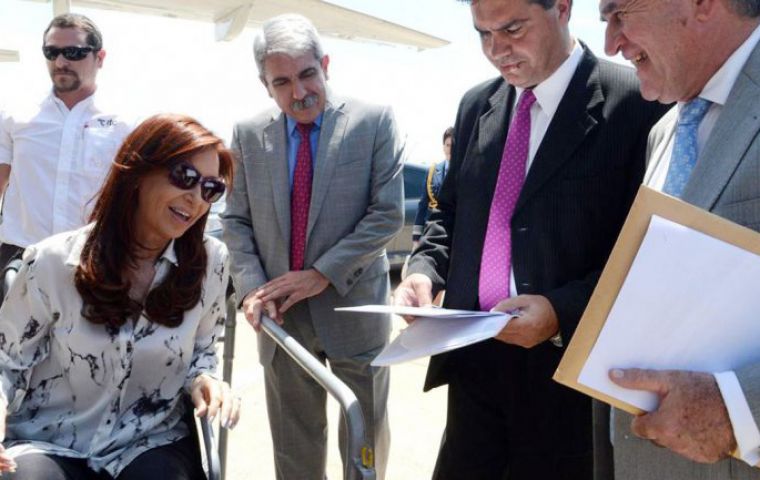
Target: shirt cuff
point(743, 423)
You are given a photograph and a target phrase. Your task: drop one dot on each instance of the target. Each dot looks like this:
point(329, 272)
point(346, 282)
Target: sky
point(156, 64)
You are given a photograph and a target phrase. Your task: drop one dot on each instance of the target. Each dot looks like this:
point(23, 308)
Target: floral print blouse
point(77, 389)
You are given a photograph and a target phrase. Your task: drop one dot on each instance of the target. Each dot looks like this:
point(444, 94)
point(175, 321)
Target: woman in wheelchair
point(106, 329)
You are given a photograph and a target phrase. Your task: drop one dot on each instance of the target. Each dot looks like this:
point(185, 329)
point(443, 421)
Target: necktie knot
point(304, 129)
point(527, 99)
point(693, 111)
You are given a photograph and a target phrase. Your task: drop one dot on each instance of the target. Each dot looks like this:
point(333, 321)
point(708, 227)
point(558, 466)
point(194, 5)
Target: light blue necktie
point(685, 150)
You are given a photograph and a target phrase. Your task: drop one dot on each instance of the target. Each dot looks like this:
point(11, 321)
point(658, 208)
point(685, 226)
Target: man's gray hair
point(746, 8)
point(290, 34)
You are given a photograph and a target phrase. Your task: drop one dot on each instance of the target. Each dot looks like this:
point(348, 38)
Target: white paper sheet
point(689, 302)
point(436, 330)
point(431, 312)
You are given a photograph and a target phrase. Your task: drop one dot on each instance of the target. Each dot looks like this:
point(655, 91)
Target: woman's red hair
point(111, 247)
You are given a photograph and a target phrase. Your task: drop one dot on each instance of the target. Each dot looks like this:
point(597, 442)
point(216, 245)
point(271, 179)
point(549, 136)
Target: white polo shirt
point(59, 159)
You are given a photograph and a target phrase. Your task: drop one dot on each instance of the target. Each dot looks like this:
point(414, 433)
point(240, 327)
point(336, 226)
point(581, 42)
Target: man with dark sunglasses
point(317, 195)
point(54, 155)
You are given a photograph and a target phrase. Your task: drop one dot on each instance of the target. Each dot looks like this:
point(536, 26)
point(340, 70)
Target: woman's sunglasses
point(185, 176)
point(73, 54)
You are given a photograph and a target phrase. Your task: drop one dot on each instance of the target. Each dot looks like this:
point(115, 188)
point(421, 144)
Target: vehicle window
point(414, 181)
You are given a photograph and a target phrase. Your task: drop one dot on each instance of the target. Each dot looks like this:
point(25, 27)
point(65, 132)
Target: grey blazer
point(725, 181)
point(356, 208)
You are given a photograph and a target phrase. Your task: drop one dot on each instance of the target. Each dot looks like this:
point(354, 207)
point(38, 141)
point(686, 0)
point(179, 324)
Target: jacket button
point(522, 229)
point(350, 281)
point(358, 272)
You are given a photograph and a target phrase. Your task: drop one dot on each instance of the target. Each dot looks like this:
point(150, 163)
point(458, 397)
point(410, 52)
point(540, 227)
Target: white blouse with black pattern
point(77, 389)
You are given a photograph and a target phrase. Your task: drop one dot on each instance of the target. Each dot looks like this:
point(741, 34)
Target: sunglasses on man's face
point(73, 54)
point(185, 176)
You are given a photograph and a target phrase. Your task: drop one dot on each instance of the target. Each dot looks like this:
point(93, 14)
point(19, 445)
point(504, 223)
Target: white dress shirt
point(81, 390)
point(59, 159)
point(548, 94)
point(717, 91)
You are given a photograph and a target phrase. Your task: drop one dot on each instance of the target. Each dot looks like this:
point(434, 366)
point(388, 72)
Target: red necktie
point(300, 198)
point(495, 263)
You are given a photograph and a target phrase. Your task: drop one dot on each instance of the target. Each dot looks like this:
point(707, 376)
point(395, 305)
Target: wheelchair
point(211, 460)
point(359, 456)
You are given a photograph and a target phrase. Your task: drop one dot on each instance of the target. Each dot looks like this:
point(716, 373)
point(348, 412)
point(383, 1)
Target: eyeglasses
point(185, 176)
point(73, 54)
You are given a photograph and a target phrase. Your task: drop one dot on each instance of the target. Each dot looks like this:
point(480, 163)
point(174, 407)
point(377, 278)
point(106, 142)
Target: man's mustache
point(308, 102)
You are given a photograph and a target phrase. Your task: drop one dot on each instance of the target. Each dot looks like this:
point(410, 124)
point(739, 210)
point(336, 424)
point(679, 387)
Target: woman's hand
point(211, 396)
point(7, 464)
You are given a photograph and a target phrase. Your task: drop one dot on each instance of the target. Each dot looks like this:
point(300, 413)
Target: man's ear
point(564, 7)
point(99, 56)
point(705, 9)
point(325, 62)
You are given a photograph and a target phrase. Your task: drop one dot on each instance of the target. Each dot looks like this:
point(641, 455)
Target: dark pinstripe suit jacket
point(571, 207)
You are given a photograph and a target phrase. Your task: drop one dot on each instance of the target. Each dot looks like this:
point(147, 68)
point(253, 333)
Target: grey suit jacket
point(356, 208)
point(725, 181)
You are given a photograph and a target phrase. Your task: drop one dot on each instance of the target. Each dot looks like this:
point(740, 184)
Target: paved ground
point(416, 419)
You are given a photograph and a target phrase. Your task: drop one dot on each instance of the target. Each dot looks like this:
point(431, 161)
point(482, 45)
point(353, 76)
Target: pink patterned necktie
point(300, 198)
point(495, 264)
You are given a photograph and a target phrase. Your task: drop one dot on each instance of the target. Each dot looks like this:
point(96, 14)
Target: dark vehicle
point(414, 188)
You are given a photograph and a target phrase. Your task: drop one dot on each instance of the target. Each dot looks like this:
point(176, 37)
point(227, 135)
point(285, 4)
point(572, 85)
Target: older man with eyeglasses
point(54, 155)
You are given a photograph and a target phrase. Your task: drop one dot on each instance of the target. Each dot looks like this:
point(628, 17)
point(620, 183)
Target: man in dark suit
point(546, 161)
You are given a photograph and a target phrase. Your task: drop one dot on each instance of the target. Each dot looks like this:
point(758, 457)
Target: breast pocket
point(100, 146)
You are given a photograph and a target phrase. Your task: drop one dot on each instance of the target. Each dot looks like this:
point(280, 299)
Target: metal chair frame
point(359, 456)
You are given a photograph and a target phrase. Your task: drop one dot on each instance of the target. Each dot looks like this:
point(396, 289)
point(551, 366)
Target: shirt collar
point(169, 254)
point(54, 100)
point(719, 86)
point(291, 123)
point(549, 93)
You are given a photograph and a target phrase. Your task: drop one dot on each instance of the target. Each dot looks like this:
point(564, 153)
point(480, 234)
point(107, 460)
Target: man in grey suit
point(318, 193)
point(706, 150)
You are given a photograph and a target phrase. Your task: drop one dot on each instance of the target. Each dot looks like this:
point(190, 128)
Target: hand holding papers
point(679, 292)
point(686, 304)
point(436, 330)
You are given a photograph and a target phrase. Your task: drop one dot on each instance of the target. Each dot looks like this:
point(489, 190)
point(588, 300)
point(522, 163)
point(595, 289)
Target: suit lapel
point(569, 127)
point(328, 152)
point(491, 127)
point(275, 145)
point(731, 137)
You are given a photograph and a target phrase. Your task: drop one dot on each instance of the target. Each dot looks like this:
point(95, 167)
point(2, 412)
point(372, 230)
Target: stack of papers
point(689, 302)
point(436, 330)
